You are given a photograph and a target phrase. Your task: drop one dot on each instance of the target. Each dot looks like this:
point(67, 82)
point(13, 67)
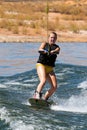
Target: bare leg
point(53, 82)
point(42, 76)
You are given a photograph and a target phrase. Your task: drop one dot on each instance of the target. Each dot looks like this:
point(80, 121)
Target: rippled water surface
point(18, 80)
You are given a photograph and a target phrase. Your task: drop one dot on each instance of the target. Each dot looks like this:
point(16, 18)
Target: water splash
point(15, 124)
point(76, 103)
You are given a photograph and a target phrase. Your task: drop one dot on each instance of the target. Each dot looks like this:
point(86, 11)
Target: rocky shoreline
point(62, 37)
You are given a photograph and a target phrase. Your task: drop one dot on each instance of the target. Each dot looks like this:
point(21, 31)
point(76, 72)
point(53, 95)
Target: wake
point(76, 103)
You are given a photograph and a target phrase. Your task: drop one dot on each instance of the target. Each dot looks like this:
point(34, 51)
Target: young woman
point(45, 64)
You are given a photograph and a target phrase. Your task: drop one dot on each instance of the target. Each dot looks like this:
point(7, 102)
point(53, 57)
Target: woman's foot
point(37, 95)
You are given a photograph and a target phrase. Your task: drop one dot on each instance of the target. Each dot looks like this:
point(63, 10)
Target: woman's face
point(52, 38)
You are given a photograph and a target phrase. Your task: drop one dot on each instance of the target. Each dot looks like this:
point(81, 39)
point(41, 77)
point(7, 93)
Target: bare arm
point(41, 48)
point(56, 51)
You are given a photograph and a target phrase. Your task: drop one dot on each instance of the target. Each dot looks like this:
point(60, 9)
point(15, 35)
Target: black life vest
point(48, 59)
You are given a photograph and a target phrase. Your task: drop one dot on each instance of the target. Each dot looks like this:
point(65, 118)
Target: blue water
point(18, 80)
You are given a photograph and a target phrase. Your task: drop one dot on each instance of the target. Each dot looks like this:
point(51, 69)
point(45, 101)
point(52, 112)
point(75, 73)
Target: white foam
point(13, 83)
point(3, 86)
point(18, 83)
point(15, 124)
point(26, 103)
point(76, 103)
point(28, 85)
point(20, 125)
point(31, 80)
point(67, 70)
point(4, 114)
point(83, 85)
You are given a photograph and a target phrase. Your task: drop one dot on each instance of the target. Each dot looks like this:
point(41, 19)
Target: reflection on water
point(21, 57)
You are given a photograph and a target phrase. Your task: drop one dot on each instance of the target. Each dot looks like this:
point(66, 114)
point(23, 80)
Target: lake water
point(18, 80)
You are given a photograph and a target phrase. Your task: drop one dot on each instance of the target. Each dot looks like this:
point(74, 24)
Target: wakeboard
point(40, 102)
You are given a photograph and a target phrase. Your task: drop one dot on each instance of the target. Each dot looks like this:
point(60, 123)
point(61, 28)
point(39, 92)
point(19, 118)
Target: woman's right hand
point(42, 51)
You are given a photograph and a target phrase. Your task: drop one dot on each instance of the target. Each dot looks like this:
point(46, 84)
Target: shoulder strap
point(48, 48)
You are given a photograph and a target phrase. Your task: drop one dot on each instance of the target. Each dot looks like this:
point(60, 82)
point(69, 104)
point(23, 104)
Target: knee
point(43, 81)
point(55, 87)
